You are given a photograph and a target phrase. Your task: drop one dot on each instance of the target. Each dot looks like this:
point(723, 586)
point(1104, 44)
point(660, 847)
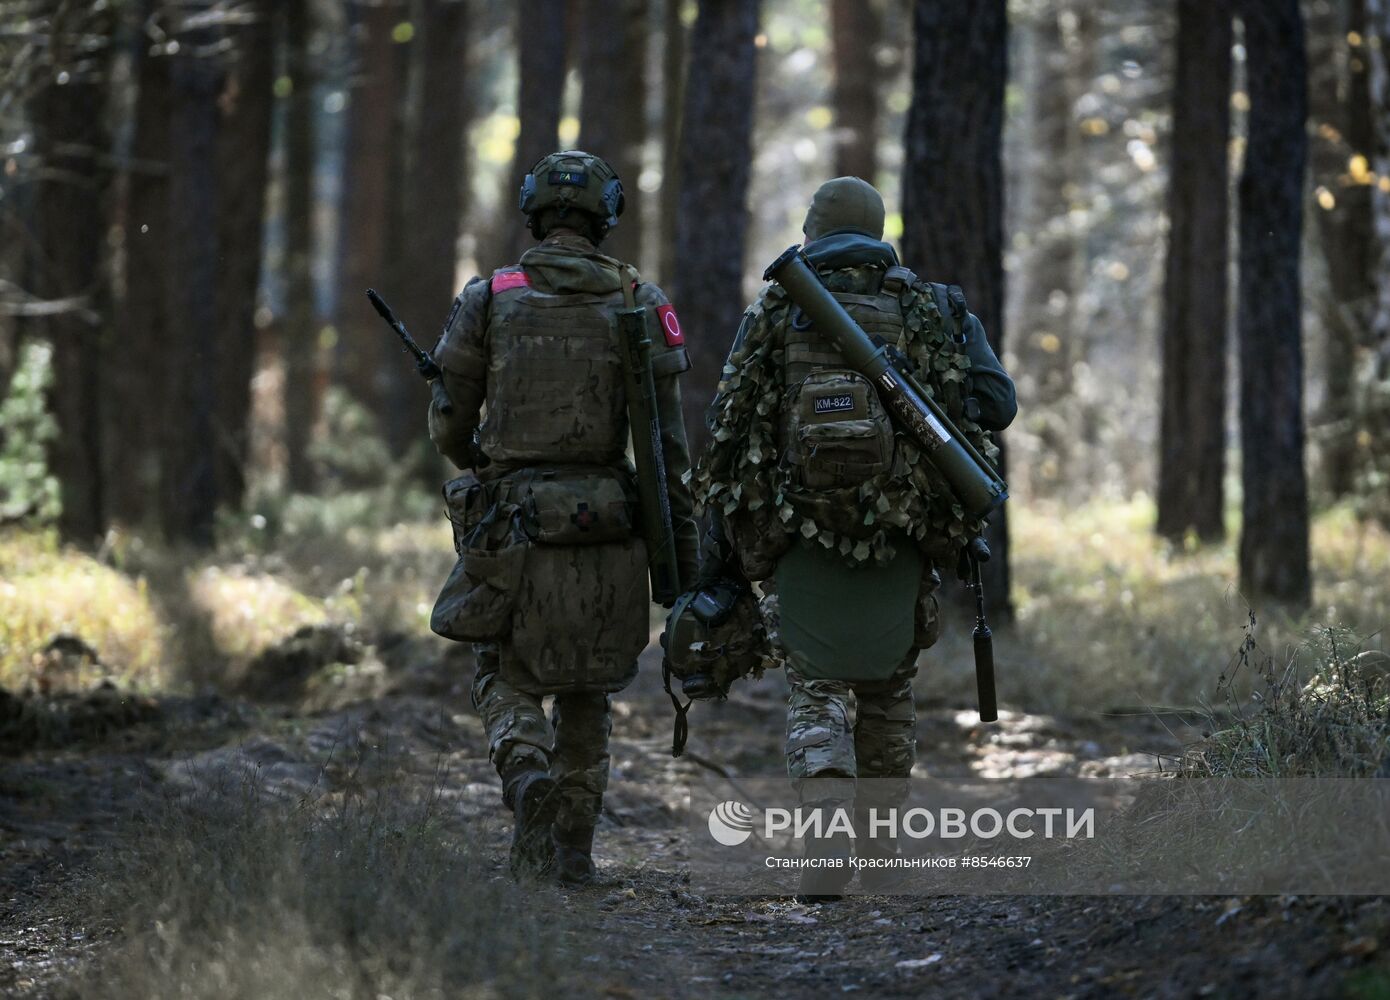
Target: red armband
point(670, 326)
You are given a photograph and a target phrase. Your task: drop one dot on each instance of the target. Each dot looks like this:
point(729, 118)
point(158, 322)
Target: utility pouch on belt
point(927, 625)
point(584, 506)
point(465, 504)
point(837, 433)
point(475, 604)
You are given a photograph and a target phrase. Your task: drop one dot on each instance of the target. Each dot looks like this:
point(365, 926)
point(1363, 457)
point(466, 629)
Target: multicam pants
point(881, 744)
point(572, 745)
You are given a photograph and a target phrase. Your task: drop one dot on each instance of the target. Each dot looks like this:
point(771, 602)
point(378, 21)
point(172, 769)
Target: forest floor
point(253, 773)
point(94, 820)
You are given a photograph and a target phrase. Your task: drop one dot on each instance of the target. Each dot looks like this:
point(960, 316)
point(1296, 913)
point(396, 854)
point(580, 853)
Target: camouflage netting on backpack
point(742, 473)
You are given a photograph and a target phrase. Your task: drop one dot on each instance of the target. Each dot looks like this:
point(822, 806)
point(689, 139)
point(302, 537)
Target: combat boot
point(534, 798)
point(877, 850)
point(574, 856)
point(825, 880)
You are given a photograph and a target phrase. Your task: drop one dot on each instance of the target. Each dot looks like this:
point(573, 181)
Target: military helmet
point(573, 180)
point(845, 203)
point(715, 635)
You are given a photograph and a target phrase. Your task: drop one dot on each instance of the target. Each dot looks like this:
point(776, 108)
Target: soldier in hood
point(815, 493)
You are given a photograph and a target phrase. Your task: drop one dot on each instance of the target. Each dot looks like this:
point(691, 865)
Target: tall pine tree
point(69, 230)
point(712, 222)
point(953, 179)
point(1274, 531)
point(1192, 435)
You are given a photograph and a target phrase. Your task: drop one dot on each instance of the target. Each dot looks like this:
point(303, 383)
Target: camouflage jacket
point(533, 344)
point(743, 475)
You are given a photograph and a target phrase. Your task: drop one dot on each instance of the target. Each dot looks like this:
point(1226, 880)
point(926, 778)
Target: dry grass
point(160, 618)
point(248, 611)
point(233, 893)
point(1108, 615)
point(1335, 723)
point(47, 591)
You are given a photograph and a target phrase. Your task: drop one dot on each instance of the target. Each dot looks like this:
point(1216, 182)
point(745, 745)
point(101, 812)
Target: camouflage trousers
point(881, 744)
point(572, 744)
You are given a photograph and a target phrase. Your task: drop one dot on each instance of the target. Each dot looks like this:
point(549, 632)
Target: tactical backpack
point(835, 434)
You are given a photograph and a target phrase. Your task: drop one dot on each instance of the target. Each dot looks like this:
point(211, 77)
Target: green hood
point(849, 250)
point(844, 204)
point(565, 263)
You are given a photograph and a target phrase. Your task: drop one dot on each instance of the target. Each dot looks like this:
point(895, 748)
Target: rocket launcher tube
point(971, 478)
point(658, 530)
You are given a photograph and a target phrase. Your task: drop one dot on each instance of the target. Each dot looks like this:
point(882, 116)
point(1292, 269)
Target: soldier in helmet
point(819, 495)
point(552, 576)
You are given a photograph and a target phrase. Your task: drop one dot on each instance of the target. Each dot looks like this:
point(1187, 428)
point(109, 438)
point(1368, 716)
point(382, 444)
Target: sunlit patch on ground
point(49, 594)
point(249, 611)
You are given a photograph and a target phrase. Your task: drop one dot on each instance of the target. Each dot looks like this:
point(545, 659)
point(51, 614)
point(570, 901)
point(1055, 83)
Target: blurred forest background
point(234, 761)
point(1171, 215)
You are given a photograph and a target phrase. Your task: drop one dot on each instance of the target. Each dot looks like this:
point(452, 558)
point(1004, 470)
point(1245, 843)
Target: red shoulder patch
point(504, 280)
point(670, 326)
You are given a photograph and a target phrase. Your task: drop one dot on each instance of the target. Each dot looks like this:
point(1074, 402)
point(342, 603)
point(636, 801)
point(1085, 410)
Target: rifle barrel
point(423, 361)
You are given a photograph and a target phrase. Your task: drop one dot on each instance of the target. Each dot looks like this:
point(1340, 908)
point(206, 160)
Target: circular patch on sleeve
point(670, 326)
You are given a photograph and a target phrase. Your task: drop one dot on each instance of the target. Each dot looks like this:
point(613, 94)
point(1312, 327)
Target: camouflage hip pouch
point(476, 602)
point(578, 505)
point(927, 624)
point(465, 503)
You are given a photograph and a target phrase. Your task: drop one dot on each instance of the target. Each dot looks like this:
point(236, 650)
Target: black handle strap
point(681, 730)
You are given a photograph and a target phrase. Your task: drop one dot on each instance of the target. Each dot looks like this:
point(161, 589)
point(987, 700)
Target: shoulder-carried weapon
point(658, 531)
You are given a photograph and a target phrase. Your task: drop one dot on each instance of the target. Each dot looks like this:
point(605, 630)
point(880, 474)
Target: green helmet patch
point(573, 180)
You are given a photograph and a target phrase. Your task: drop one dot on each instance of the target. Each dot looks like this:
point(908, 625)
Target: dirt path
point(60, 807)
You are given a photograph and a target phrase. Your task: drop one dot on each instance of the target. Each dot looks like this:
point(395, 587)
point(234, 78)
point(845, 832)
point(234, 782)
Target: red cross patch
point(584, 518)
point(670, 326)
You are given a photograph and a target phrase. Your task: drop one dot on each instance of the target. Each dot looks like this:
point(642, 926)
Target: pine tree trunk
point(673, 68)
point(713, 217)
point(953, 190)
point(244, 160)
point(66, 267)
point(1046, 339)
point(855, 28)
point(434, 207)
point(189, 473)
point(143, 327)
point(1274, 533)
point(1192, 435)
point(612, 115)
point(1378, 21)
point(360, 357)
point(1343, 132)
point(542, 44)
point(300, 328)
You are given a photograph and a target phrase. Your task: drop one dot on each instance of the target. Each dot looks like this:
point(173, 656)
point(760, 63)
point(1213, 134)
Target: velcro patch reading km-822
point(840, 403)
